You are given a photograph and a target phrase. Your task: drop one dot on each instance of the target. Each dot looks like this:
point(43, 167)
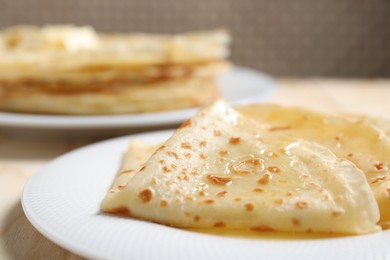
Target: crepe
point(218, 171)
point(362, 140)
point(84, 80)
point(381, 124)
point(65, 69)
point(138, 152)
point(119, 99)
point(67, 47)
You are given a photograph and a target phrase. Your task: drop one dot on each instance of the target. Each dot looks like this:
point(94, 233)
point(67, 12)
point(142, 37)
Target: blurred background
point(303, 38)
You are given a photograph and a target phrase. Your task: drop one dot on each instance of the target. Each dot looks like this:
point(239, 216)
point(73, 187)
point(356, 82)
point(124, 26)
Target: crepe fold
point(105, 73)
point(218, 170)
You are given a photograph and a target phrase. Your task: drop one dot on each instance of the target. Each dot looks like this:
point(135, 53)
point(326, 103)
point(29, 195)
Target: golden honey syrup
point(269, 235)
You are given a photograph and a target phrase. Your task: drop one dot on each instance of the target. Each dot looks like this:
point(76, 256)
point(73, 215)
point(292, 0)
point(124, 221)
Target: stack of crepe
point(74, 70)
point(261, 167)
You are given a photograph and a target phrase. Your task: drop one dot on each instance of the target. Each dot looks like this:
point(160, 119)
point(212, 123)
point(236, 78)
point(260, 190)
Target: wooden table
point(21, 155)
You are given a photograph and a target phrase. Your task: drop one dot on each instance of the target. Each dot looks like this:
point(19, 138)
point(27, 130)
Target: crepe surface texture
point(363, 140)
point(217, 170)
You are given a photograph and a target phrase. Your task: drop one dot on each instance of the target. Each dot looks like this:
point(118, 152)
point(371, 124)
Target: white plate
point(240, 86)
point(62, 202)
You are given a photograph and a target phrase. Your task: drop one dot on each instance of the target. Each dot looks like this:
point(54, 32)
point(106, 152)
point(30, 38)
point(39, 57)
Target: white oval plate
point(239, 86)
point(62, 201)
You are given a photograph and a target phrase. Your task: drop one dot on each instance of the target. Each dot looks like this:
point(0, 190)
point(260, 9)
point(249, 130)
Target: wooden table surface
point(23, 154)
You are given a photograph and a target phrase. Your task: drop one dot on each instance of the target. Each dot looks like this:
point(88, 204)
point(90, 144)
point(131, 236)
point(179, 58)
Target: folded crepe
point(138, 152)
point(363, 140)
point(217, 170)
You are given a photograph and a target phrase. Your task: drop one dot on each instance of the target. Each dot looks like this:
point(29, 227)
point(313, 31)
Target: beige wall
point(346, 38)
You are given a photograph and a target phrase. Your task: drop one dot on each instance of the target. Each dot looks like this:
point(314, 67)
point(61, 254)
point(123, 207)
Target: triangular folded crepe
point(217, 171)
point(136, 155)
point(364, 141)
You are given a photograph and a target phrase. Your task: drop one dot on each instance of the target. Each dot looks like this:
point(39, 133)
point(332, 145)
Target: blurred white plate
point(62, 201)
point(240, 86)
